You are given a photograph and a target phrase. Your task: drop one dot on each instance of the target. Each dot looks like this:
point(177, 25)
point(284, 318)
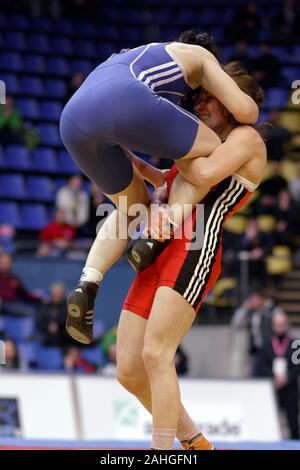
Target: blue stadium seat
point(40, 188)
point(295, 56)
point(44, 160)
point(41, 24)
point(49, 135)
point(55, 88)
point(13, 186)
point(186, 16)
point(290, 73)
point(60, 182)
point(10, 214)
point(93, 355)
point(58, 66)
point(51, 110)
point(85, 49)
point(20, 22)
point(32, 86)
point(110, 14)
point(84, 66)
point(19, 328)
point(17, 157)
point(12, 83)
point(34, 63)
point(276, 98)
point(209, 16)
point(49, 358)
point(132, 16)
point(109, 32)
point(11, 61)
point(61, 45)
point(66, 164)
point(34, 216)
point(38, 43)
point(63, 26)
point(84, 29)
point(14, 41)
point(281, 53)
point(29, 108)
point(27, 351)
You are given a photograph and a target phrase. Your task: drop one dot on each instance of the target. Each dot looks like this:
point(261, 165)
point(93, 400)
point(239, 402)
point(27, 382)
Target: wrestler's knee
point(129, 376)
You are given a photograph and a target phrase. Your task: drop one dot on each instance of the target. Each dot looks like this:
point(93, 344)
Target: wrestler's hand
point(158, 225)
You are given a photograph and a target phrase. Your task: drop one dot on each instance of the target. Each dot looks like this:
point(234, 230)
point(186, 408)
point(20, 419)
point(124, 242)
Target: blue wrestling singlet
point(130, 100)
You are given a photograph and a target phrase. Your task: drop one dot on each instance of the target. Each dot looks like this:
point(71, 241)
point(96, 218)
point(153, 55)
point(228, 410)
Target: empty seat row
point(24, 216)
point(44, 160)
point(31, 108)
point(34, 86)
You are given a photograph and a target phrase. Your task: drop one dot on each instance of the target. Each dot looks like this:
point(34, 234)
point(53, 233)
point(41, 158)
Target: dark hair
point(204, 39)
point(245, 81)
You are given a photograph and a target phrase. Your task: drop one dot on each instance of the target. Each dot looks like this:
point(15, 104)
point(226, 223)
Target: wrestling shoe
point(198, 442)
point(80, 305)
point(144, 252)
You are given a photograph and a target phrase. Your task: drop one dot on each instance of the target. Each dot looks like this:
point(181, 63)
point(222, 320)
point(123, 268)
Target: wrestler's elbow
point(247, 112)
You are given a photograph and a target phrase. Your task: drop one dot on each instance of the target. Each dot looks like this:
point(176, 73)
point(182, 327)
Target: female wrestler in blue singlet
point(132, 100)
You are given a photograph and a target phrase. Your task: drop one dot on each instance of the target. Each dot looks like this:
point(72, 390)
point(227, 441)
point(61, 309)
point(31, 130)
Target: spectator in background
point(74, 201)
point(12, 360)
point(278, 138)
point(52, 316)
point(255, 315)
point(266, 68)
point(285, 220)
point(277, 359)
point(258, 245)
point(286, 20)
point(7, 236)
point(247, 23)
point(15, 299)
point(96, 198)
point(76, 81)
point(11, 124)
point(270, 189)
point(73, 362)
point(57, 237)
point(242, 55)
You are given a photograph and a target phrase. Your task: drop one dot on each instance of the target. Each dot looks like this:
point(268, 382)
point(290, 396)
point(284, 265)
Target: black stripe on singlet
point(198, 264)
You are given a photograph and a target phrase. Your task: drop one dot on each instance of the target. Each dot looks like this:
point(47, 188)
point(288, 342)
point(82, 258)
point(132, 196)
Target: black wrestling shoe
point(144, 252)
point(80, 305)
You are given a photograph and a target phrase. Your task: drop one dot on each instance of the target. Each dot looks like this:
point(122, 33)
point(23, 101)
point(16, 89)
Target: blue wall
point(40, 273)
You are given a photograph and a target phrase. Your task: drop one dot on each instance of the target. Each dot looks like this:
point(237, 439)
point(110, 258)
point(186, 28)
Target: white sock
point(91, 275)
point(163, 439)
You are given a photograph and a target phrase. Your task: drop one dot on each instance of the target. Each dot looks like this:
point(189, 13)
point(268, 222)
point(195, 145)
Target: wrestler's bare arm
point(203, 69)
point(242, 144)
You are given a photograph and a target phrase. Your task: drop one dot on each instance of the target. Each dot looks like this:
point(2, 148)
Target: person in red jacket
point(56, 236)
